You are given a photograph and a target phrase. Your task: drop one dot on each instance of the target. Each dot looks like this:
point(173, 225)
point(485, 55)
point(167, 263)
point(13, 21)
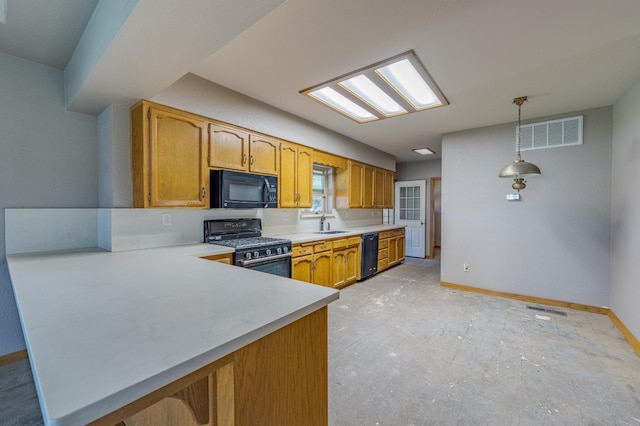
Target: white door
point(410, 211)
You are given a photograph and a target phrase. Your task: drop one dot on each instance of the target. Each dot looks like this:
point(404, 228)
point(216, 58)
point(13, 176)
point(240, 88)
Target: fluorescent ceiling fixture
point(396, 86)
point(342, 104)
point(366, 90)
point(404, 78)
point(423, 151)
point(3, 11)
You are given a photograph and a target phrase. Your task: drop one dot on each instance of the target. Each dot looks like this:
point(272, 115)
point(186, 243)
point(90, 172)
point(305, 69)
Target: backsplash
point(33, 230)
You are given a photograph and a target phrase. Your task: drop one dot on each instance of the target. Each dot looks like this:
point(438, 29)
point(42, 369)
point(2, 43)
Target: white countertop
point(305, 237)
point(104, 329)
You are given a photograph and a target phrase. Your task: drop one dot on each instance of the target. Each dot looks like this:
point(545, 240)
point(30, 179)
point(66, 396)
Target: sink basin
point(330, 232)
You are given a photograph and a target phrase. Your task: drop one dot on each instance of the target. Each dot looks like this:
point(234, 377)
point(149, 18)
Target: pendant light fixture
point(519, 168)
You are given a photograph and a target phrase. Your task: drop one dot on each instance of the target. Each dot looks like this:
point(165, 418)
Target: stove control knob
point(256, 254)
point(268, 252)
point(279, 250)
point(247, 255)
point(285, 249)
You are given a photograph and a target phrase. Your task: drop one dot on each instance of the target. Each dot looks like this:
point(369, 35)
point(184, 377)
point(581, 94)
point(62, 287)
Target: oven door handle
point(263, 259)
point(266, 189)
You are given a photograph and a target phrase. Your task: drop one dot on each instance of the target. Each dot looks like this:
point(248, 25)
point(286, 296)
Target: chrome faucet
point(322, 219)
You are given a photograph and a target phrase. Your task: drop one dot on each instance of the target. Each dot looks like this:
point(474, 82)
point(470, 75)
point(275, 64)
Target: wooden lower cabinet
point(302, 268)
point(222, 258)
point(346, 261)
point(334, 263)
point(322, 268)
point(280, 379)
point(391, 248)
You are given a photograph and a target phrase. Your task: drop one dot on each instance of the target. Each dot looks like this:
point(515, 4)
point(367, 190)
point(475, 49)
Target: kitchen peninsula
point(117, 336)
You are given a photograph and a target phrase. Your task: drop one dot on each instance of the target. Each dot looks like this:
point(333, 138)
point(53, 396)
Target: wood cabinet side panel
point(139, 155)
point(282, 379)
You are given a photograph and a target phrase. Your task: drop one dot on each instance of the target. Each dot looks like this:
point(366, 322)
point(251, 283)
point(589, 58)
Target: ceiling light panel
point(335, 100)
point(362, 87)
point(396, 86)
point(423, 151)
point(406, 80)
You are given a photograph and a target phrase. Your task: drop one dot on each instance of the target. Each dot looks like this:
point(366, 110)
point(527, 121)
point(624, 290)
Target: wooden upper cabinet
point(296, 175)
point(356, 177)
point(233, 148)
point(305, 177)
point(389, 185)
point(264, 155)
point(228, 147)
point(168, 158)
point(368, 187)
point(378, 187)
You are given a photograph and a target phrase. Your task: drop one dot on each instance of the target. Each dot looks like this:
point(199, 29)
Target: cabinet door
point(301, 268)
point(322, 268)
point(178, 161)
point(393, 251)
point(264, 155)
point(401, 248)
point(228, 148)
point(352, 264)
point(288, 174)
point(389, 184)
point(368, 187)
point(378, 187)
point(339, 268)
point(305, 177)
point(356, 172)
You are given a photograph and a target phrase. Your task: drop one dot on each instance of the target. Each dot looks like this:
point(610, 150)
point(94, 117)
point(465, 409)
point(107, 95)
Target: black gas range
point(252, 250)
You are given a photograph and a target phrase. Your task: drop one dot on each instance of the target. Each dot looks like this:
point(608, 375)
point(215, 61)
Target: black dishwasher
point(369, 255)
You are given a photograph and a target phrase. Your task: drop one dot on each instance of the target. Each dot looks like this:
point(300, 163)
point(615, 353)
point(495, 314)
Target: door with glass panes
point(410, 211)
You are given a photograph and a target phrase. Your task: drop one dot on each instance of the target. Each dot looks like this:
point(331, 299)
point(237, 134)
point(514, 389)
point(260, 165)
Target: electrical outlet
point(465, 267)
point(285, 215)
point(166, 219)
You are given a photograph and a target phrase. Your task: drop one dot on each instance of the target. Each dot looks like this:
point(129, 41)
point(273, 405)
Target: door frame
point(423, 211)
point(432, 220)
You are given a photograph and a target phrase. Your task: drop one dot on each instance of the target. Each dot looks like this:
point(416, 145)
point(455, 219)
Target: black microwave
point(238, 190)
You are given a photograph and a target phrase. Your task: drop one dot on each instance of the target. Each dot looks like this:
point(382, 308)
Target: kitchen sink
point(330, 232)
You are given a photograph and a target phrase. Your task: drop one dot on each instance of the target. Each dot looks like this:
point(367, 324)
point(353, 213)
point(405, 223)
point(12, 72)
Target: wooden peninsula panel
point(280, 379)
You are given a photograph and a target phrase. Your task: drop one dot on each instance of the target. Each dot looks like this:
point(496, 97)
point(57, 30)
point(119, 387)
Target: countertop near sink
point(305, 237)
point(106, 328)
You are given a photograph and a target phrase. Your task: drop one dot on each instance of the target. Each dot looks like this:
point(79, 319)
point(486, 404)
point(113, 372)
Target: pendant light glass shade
point(519, 168)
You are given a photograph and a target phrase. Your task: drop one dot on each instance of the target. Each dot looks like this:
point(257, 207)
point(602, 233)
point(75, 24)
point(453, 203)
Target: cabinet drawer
point(384, 234)
point(353, 241)
point(338, 244)
point(323, 246)
point(398, 232)
point(301, 250)
point(383, 254)
point(383, 244)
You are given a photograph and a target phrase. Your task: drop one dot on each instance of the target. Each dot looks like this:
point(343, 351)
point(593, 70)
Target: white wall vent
point(550, 134)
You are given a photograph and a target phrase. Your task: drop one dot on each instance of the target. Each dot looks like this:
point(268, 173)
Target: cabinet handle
point(204, 192)
point(251, 160)
point(313, 265)
point(244, 159)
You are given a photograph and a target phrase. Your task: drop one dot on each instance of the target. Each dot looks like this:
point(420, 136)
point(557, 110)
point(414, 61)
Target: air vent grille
point(550, 134)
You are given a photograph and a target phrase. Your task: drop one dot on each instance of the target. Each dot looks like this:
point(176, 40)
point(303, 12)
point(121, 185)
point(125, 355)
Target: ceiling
point(566, 55)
